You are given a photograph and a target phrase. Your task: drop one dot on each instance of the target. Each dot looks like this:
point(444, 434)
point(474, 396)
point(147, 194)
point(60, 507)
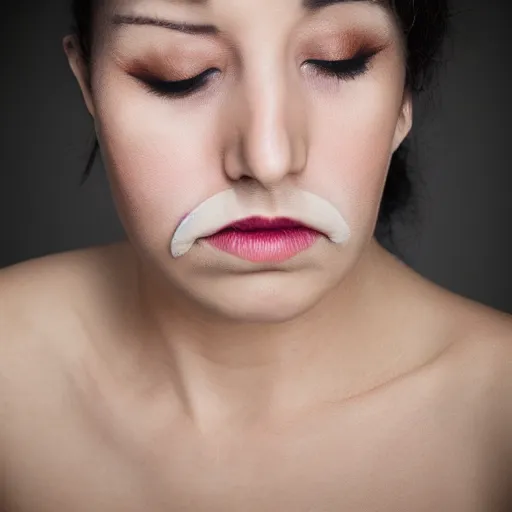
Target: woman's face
point(265, 119)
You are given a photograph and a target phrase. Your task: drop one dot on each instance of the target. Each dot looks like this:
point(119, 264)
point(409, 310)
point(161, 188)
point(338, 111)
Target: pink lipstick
point(259, 239)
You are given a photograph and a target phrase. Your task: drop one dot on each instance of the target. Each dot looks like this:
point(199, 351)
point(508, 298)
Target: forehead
point(240, 10)
point(305, 5)
point(227, 19)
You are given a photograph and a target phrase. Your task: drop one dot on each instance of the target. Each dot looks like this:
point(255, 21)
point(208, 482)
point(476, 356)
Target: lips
point(263, 224)
point(259, 239)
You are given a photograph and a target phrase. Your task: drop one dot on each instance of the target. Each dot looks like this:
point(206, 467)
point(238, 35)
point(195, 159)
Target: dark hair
point(424, 24)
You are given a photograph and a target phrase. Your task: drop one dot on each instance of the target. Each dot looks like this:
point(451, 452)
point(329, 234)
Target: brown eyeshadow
point(178, 66)
point(345, 45)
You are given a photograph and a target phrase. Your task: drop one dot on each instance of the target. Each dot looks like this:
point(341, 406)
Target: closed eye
point(343, 69)
point(339, 69)
point(178, 88)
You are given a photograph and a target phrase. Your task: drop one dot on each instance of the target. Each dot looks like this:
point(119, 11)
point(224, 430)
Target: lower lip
point(266, 245)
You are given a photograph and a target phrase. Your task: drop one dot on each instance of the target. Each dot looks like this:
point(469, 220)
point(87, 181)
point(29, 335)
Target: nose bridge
point(269, 123)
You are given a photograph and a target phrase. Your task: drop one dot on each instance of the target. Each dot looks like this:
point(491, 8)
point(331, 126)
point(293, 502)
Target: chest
point(405, 459)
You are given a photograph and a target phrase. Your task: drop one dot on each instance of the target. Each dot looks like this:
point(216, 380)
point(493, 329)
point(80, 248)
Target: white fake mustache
point(231, 206)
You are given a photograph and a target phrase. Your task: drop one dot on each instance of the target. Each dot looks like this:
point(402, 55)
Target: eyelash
point(348, 69)
point(342, 70)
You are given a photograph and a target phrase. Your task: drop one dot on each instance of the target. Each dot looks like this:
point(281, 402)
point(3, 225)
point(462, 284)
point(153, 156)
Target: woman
point(251, 346)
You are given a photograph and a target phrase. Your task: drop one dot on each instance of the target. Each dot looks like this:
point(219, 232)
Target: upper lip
point(261, 223)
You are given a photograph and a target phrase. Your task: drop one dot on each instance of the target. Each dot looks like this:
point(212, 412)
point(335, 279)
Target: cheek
point(350, 151)
point(156, 160)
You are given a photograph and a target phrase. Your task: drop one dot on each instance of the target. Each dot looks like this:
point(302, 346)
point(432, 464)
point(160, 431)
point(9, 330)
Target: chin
point(274, 297)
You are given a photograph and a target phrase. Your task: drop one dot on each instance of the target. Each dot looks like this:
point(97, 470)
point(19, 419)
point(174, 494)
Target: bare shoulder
point(470, 334)
point(485, 336)
point(45, 296)
point(481, 361)
point(47, 307)
point(489, 355)
point(49, 277)
point(472, 363)
point(45, 293)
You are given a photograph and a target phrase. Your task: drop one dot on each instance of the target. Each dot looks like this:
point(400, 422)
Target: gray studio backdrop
point(461, 137)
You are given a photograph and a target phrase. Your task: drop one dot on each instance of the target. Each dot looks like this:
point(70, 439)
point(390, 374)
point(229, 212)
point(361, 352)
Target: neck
point(223, 371)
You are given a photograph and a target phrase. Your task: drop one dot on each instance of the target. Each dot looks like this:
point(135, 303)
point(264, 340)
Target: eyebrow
point(191, 28)
point(314, 5)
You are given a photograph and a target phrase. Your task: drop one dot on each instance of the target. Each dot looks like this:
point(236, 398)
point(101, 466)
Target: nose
point(270, 130)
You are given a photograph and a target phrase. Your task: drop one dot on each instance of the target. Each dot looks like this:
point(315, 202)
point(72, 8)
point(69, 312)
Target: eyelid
point(177, 88)
point(344, 68)
point(363, 54)
point(338, 69)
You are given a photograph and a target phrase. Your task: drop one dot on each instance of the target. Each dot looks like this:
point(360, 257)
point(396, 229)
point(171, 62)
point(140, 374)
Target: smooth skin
point(340, 380)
